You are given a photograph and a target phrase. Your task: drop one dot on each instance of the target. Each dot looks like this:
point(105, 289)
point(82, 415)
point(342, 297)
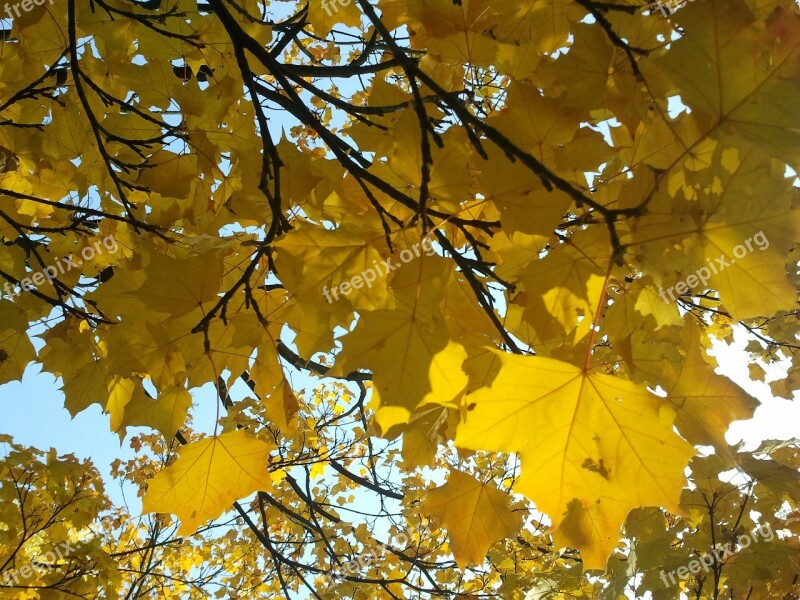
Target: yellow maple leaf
point(420, 437)
point(707, 403)
point(167, 413)
point(208, 477)
point(519, 195)
point(737, 246)
point(313, 263)
point(281, 407)
point(601, 440)
point(475, 514)
point(121, 391)
point(412, 360)
point(758, 103)
point(16, 350)
point(565, 287)
point(324, 15)
point(180, 285)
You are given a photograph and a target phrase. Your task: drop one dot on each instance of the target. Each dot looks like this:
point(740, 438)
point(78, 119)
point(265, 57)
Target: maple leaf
point(166, 413)
point(426, 370)
point(706, 403)
point(421, 437)
point(16, 350)
point(599, 440)
point(180, 285)
point(706, 66)
point(476, 516)
point(311, 260)
point(208, 476)
point(324, 15)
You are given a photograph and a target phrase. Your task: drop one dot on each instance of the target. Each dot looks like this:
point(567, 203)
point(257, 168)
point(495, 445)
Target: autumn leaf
point(180, 285)
point(208, 476)
point(397, 338)
point(706, 65)
point(602, 442)
point(313, 260)
point(707, 403)
point(16, 350)
point(476, 516)
point(166, 413)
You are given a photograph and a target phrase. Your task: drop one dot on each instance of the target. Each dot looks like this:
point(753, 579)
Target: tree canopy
point(450, 272)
